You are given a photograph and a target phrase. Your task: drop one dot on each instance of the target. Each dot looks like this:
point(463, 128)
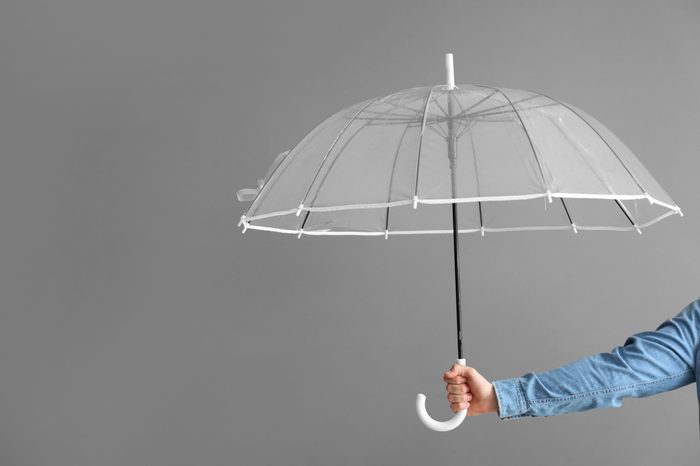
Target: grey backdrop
point(139, 327)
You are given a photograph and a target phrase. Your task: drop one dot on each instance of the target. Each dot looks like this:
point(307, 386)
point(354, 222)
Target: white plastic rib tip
point(245, 228)
point(680, 212)
point(386, 234)
point(483, 232)
point(240, 222)
point(636, 227)
point(573, 225)
point(299, 209)
point(300, 232)
point(649, 198)
point(549, 196)
point(415, 202)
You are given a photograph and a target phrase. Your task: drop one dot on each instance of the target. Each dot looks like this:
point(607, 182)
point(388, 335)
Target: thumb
point(458, 370)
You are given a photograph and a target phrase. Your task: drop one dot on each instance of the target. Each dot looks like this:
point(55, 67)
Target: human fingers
point(457, 407)
point(454, 371)
point(457, 388)
point(456, 379)
point(459, 398)
point(461, 371)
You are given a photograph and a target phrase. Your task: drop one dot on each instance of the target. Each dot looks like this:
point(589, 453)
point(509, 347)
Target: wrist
point(492, 406)
point(510, 398)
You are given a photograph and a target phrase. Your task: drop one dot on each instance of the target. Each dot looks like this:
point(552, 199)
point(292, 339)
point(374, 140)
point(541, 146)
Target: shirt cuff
point(511, 401)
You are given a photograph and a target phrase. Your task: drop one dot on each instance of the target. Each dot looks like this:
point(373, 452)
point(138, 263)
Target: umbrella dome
point(521, 161)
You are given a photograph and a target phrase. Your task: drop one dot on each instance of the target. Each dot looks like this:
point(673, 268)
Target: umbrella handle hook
point(431, 423)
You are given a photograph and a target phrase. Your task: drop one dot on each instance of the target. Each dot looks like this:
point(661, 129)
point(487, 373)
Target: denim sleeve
point(648, 363)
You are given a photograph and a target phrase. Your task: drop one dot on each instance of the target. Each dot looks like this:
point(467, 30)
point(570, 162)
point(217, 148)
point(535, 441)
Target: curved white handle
point(431, 423)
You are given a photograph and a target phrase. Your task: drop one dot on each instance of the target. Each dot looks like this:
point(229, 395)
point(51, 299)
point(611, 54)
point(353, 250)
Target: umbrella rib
point(387, 121)
point(459, 104)
point(478, 186)
point(478, 113)
point(470, 123)
point(629, 172)
point(464, 112)
point(578, 150)
point(527, 134)
point(267, 181)
point(444, 112)
point(308, 212)
point(286, 161)
point(436, 127)
point(438, 131)
point(590, 166)
point(619, 204)
point(466, 126)
point(325, 176)
point(627, 214)
point(345, 144)
point(330, 149)
point(483, 113)
point(414, 112)
point(471, 107)
point(391, 180)
point(568, 215)
point(420, 143)
point(587, 162)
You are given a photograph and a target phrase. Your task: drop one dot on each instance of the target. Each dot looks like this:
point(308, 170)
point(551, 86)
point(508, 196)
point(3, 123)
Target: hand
point(466, 388)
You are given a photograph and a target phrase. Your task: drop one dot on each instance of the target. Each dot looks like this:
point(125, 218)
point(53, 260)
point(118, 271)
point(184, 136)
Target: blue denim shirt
point(648, 363)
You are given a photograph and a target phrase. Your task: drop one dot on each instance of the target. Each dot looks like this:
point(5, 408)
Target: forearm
point(648, 363)
point(587, 384)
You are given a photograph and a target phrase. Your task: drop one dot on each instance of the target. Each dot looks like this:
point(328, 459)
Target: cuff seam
point(513, 389)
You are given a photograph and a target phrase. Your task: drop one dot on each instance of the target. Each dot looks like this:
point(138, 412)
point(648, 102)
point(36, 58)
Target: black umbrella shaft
point(455, 240)
point(452, 154)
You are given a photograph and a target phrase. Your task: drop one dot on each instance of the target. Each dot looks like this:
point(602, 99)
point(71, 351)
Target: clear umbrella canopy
point(522, 161)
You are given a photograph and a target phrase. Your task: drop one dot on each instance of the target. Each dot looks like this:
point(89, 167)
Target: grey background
point(139, 327)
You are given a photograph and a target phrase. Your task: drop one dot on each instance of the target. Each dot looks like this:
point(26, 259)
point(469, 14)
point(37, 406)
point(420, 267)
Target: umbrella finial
point(450, 69)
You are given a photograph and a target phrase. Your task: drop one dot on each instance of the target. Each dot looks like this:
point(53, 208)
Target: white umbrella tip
point(450, 71)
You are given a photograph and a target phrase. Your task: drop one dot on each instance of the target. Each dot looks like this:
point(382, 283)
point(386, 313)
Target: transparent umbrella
point(501, 159)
